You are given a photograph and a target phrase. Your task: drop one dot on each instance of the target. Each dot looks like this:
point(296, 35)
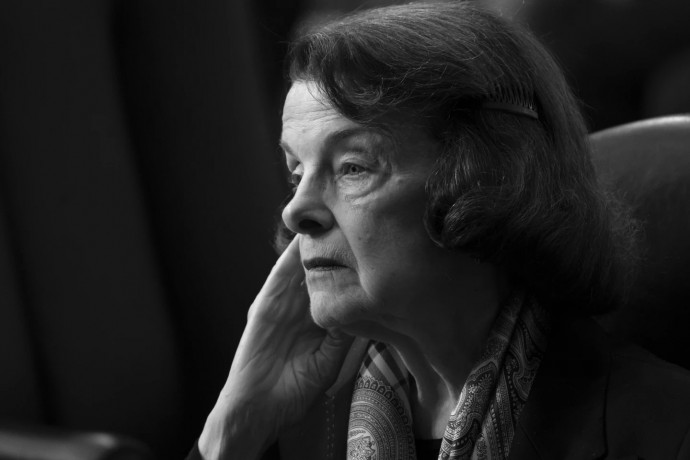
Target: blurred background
point(140, 178)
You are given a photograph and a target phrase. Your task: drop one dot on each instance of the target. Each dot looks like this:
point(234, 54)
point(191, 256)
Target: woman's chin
point(328, 313)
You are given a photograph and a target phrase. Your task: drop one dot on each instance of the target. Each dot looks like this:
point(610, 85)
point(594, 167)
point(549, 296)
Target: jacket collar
point(565, 414)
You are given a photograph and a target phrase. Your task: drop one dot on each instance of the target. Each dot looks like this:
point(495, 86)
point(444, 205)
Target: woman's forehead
point(306, 109)
point(309, 116)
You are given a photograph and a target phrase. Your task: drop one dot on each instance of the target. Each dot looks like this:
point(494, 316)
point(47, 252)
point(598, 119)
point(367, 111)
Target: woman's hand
point(283, 362)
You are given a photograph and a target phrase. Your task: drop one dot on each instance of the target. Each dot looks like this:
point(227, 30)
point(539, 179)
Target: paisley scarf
point(483, 422)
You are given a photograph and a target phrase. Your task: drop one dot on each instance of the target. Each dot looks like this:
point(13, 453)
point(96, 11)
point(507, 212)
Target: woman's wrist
point(233, 433)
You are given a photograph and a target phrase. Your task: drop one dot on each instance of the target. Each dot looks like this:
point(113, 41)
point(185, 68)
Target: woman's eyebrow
point(285, 147)
point(338, 136)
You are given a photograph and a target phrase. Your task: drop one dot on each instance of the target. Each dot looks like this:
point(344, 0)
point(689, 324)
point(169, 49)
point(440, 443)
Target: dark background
point(139, 179)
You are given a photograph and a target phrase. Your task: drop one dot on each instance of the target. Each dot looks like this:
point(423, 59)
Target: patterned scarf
point(483, 422)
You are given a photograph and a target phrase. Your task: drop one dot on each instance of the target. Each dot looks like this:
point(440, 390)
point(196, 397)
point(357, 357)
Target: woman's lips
point(321, 264)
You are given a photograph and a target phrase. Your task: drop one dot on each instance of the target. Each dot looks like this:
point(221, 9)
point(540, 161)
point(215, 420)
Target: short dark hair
point(508, 189)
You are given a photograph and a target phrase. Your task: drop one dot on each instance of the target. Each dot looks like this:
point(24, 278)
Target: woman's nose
point(307, 212)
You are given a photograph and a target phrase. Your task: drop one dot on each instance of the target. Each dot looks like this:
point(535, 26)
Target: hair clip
point(512, 100)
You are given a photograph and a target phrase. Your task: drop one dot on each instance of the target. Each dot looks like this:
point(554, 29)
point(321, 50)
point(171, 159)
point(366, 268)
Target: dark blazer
point(593, 398)
point(597, 398)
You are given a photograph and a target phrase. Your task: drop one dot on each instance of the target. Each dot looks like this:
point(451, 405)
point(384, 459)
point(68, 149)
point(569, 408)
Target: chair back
point(648, 165)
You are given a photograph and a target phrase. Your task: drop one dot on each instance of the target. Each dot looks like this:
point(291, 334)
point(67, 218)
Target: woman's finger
point(283, 295)
point(289, 261)
point(286, 271)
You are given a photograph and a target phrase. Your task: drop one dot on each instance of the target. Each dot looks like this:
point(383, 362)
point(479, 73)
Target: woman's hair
point(508, 189)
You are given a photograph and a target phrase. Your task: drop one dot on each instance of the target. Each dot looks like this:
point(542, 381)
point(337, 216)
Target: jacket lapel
point(565, 413)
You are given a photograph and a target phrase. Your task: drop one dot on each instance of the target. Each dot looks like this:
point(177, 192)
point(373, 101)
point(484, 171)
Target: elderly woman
point(451, 241)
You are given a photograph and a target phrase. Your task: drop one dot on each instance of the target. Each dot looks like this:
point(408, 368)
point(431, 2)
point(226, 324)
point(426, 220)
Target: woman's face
point(358, 206)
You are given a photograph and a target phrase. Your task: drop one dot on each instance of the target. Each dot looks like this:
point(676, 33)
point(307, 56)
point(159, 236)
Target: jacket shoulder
point(596, 397)
point(648, 404)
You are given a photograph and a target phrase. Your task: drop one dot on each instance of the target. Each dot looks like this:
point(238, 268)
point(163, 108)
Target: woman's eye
point(352, 169)
point(294, 179)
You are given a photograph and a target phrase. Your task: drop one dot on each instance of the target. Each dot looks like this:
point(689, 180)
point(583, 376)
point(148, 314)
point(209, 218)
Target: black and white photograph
point(345, 230)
